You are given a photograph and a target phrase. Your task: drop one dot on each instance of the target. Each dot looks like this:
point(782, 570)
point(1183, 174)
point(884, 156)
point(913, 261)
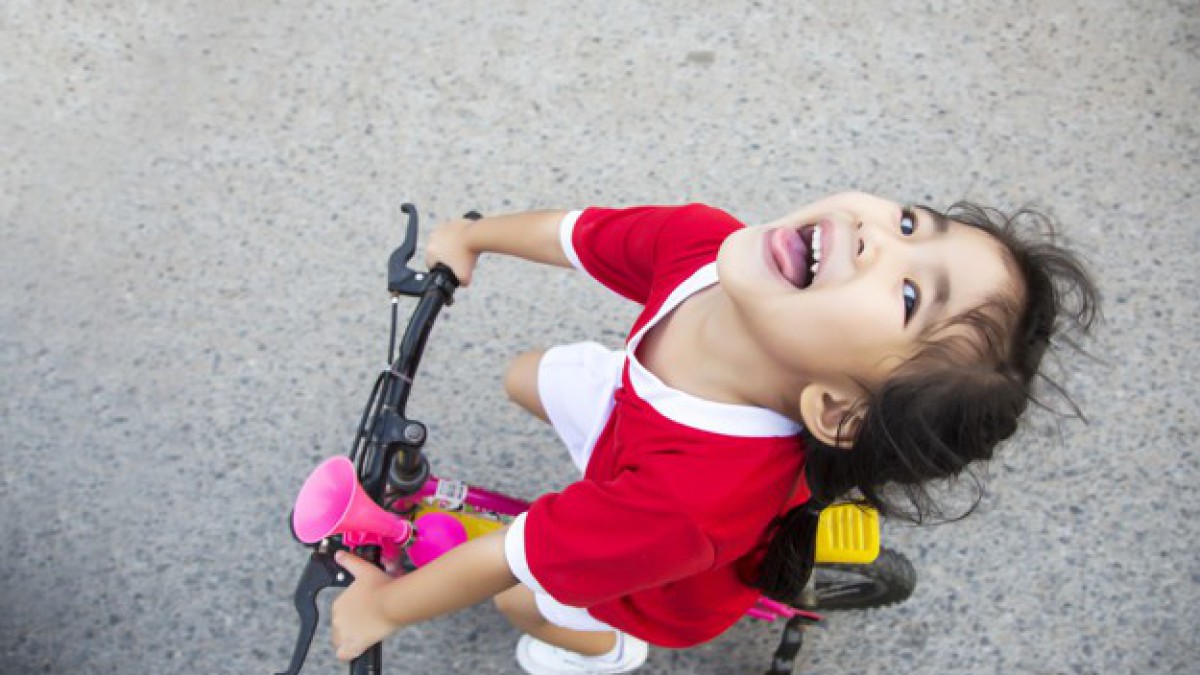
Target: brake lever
point(402, 279)
point(320, 573)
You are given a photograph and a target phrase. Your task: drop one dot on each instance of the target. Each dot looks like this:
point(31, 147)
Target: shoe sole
point(525, 659)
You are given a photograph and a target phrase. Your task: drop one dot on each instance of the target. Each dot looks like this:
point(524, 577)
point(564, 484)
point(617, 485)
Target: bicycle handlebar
point(383, 433)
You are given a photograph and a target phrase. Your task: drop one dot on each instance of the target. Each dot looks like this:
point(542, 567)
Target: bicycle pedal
point(848, 533)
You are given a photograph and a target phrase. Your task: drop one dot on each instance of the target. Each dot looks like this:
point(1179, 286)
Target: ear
point(823, 408)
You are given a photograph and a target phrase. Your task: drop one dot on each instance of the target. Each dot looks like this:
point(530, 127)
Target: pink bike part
point(477, 497)
point(769, 610)
point(762, 615)
point(332, 502)
point(436, 534)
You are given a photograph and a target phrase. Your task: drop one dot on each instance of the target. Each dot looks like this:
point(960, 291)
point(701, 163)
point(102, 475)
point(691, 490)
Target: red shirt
point(672, 516)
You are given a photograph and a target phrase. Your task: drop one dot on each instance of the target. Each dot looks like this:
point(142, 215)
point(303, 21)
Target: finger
point(456, 266)
point(352, 563)
point(464, 279)
point(335, 634)
point(347, 653)
point(460, 269)
point(431, 257)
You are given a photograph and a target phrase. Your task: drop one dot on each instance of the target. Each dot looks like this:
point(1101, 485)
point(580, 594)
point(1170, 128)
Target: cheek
point(855, 313)
point(852, 337)
point(816, 346)
point(740, 259)
point(730, 270)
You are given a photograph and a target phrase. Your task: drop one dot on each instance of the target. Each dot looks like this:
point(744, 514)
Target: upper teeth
point(816, 249)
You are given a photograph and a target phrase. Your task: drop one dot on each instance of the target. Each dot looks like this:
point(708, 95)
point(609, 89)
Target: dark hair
point(951, 404)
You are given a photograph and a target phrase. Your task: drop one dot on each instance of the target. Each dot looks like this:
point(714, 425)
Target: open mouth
point(797, 254)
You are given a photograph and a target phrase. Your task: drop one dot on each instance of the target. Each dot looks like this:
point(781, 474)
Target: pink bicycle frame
point(455, 494)
point(460, 493)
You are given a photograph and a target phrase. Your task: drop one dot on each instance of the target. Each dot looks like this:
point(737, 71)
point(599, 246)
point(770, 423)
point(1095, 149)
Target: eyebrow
point(941, 282)
point(941, 297)
point(941, 224)
point(941, 288)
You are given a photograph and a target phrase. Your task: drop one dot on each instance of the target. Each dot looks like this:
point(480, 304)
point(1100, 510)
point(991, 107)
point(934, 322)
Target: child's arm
point(533, 236)
point(376, 604)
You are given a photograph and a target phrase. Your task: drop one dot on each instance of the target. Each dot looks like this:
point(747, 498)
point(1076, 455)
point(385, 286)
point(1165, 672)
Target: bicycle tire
point(887, 581)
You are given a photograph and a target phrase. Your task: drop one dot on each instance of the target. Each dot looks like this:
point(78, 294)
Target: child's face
point(886, 274)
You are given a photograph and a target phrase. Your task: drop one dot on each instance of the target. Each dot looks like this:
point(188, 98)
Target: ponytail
point(791, 553)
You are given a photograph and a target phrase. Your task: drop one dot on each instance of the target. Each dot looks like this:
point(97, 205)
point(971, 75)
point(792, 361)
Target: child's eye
point(908, 222)
point(912, 298)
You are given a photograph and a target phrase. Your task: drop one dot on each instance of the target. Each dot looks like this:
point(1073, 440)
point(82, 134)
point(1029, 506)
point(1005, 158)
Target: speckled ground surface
point(197, 199)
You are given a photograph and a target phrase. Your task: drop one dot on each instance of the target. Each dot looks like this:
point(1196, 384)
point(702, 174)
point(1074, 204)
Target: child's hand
point(358, 618)
point(450, 245)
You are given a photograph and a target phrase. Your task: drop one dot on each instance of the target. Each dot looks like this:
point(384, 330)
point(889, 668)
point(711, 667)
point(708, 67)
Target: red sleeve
point(625, 249)
point(597, 541)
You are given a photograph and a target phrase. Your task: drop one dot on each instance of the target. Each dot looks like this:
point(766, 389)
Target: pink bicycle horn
point(332, 502)
point(436, 534)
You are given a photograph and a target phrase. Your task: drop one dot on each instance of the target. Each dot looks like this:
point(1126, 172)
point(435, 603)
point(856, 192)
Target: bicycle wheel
point(887, 581)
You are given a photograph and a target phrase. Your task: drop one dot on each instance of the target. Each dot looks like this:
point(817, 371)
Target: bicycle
point(383, 502)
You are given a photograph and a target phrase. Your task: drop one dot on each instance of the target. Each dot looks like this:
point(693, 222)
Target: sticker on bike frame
point(451, 494)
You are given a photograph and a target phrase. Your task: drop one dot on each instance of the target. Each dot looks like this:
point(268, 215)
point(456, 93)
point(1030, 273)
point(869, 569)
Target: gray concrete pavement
point(197, 200)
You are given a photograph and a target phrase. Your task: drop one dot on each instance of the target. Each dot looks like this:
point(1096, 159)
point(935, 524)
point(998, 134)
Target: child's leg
point(521, 383)
point(518, 605)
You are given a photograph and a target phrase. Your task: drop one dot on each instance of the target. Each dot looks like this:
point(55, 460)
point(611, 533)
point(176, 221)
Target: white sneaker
point(538, 658)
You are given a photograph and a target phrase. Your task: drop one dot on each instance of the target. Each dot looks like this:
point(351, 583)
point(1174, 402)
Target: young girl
point(856, 348)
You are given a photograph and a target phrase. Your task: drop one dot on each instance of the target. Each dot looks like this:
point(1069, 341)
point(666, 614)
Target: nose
point(874, 240)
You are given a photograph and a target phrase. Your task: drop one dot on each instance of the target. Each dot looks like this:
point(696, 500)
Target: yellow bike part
point(477, 525)
point(848, 533)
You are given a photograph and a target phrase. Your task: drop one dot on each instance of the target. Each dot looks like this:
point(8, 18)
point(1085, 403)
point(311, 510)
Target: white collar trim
point(718, 418)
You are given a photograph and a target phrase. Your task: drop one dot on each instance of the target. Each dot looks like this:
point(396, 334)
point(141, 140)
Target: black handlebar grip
point(443, 278)
point(370, 663)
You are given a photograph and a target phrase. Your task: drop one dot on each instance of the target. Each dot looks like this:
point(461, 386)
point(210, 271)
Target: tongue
point(789, 251)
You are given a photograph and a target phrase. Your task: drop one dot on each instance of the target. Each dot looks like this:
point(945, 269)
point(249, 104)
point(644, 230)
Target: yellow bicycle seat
point(848, 533)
